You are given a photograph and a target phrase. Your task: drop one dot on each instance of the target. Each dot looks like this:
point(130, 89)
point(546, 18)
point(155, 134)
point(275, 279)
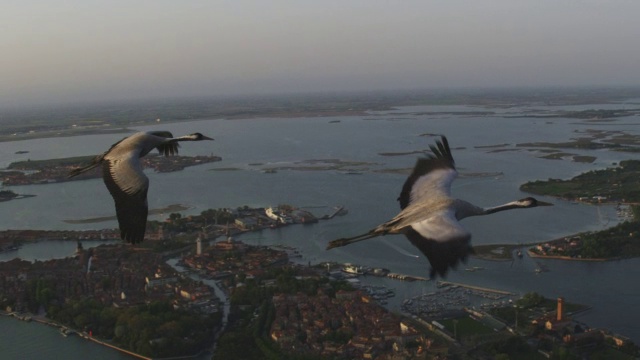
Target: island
point(617, 185)
point(613, 185)
point(130, 299)
point(618, 242)
point(57, 170)
point(324, 165)
point(6, 195)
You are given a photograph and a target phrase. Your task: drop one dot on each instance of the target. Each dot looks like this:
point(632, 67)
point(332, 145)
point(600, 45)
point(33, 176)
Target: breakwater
point(473, 287)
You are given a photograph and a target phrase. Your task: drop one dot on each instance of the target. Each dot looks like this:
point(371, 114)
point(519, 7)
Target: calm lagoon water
point(251, 145)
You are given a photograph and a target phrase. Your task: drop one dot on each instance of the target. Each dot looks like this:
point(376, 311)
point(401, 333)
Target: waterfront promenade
point(91, 338)
point(65, 331)
point(479, 288)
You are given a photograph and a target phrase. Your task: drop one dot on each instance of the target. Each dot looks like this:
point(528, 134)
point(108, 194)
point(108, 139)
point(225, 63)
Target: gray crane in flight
point(429, 216)
point(123, 175)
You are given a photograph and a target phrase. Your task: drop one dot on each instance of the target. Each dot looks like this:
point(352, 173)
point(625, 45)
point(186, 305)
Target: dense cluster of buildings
point(562, 248)
point(113, 275)
point(350, 325)
point(318, 325)
point(228, 258)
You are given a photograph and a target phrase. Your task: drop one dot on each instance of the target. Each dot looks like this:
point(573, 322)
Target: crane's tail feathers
point(346, 241)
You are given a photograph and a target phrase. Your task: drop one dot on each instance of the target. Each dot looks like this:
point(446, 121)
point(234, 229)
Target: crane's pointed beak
point(206, 138)
point(543, 203)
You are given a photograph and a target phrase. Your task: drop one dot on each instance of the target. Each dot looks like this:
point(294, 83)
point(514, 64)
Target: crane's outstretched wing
point(439, 236)
point(442, 240)
point(128, 186)
point(95, 162)
point(427, 190)
point(431, 176)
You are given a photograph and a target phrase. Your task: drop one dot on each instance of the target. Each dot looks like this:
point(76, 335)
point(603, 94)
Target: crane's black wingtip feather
point(132, 235)
point(441, 150)
point(441, 268)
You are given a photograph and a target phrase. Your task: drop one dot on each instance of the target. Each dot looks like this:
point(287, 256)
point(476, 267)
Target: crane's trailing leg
point(346, 241)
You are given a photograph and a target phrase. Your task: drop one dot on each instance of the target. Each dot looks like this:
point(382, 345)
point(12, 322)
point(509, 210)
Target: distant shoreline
point(25, 122)
point(125, 129)
point(45, 134)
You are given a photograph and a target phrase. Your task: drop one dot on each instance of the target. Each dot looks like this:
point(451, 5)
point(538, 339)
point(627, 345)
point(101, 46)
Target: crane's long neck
point(190, 137)
point(465, 209)
point(507, 206)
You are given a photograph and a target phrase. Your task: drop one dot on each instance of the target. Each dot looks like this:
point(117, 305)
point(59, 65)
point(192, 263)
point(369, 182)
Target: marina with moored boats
point(451, 297)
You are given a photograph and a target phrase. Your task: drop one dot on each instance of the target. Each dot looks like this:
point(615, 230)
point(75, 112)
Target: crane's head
point(195, 137)
point(530, 202)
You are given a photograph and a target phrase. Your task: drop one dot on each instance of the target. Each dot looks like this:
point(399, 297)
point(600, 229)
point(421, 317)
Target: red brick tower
point(559, 313)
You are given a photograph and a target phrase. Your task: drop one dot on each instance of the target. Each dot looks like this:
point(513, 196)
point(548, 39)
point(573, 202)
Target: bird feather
point(130, 202)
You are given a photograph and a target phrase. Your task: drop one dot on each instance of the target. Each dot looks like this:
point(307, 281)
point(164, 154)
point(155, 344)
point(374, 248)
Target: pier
point(473, 287)
point(332, 215)
point(125, 351)
point(406, 277)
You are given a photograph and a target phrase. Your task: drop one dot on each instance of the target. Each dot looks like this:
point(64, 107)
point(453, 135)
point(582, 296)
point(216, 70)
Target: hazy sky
point(74, 51)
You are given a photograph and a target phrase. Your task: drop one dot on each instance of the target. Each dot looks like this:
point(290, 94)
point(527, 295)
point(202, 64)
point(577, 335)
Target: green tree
point(635, 210)
point(529, 300)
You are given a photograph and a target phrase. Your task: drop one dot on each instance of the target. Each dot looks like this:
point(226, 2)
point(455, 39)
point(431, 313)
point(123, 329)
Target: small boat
point(352, 269)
